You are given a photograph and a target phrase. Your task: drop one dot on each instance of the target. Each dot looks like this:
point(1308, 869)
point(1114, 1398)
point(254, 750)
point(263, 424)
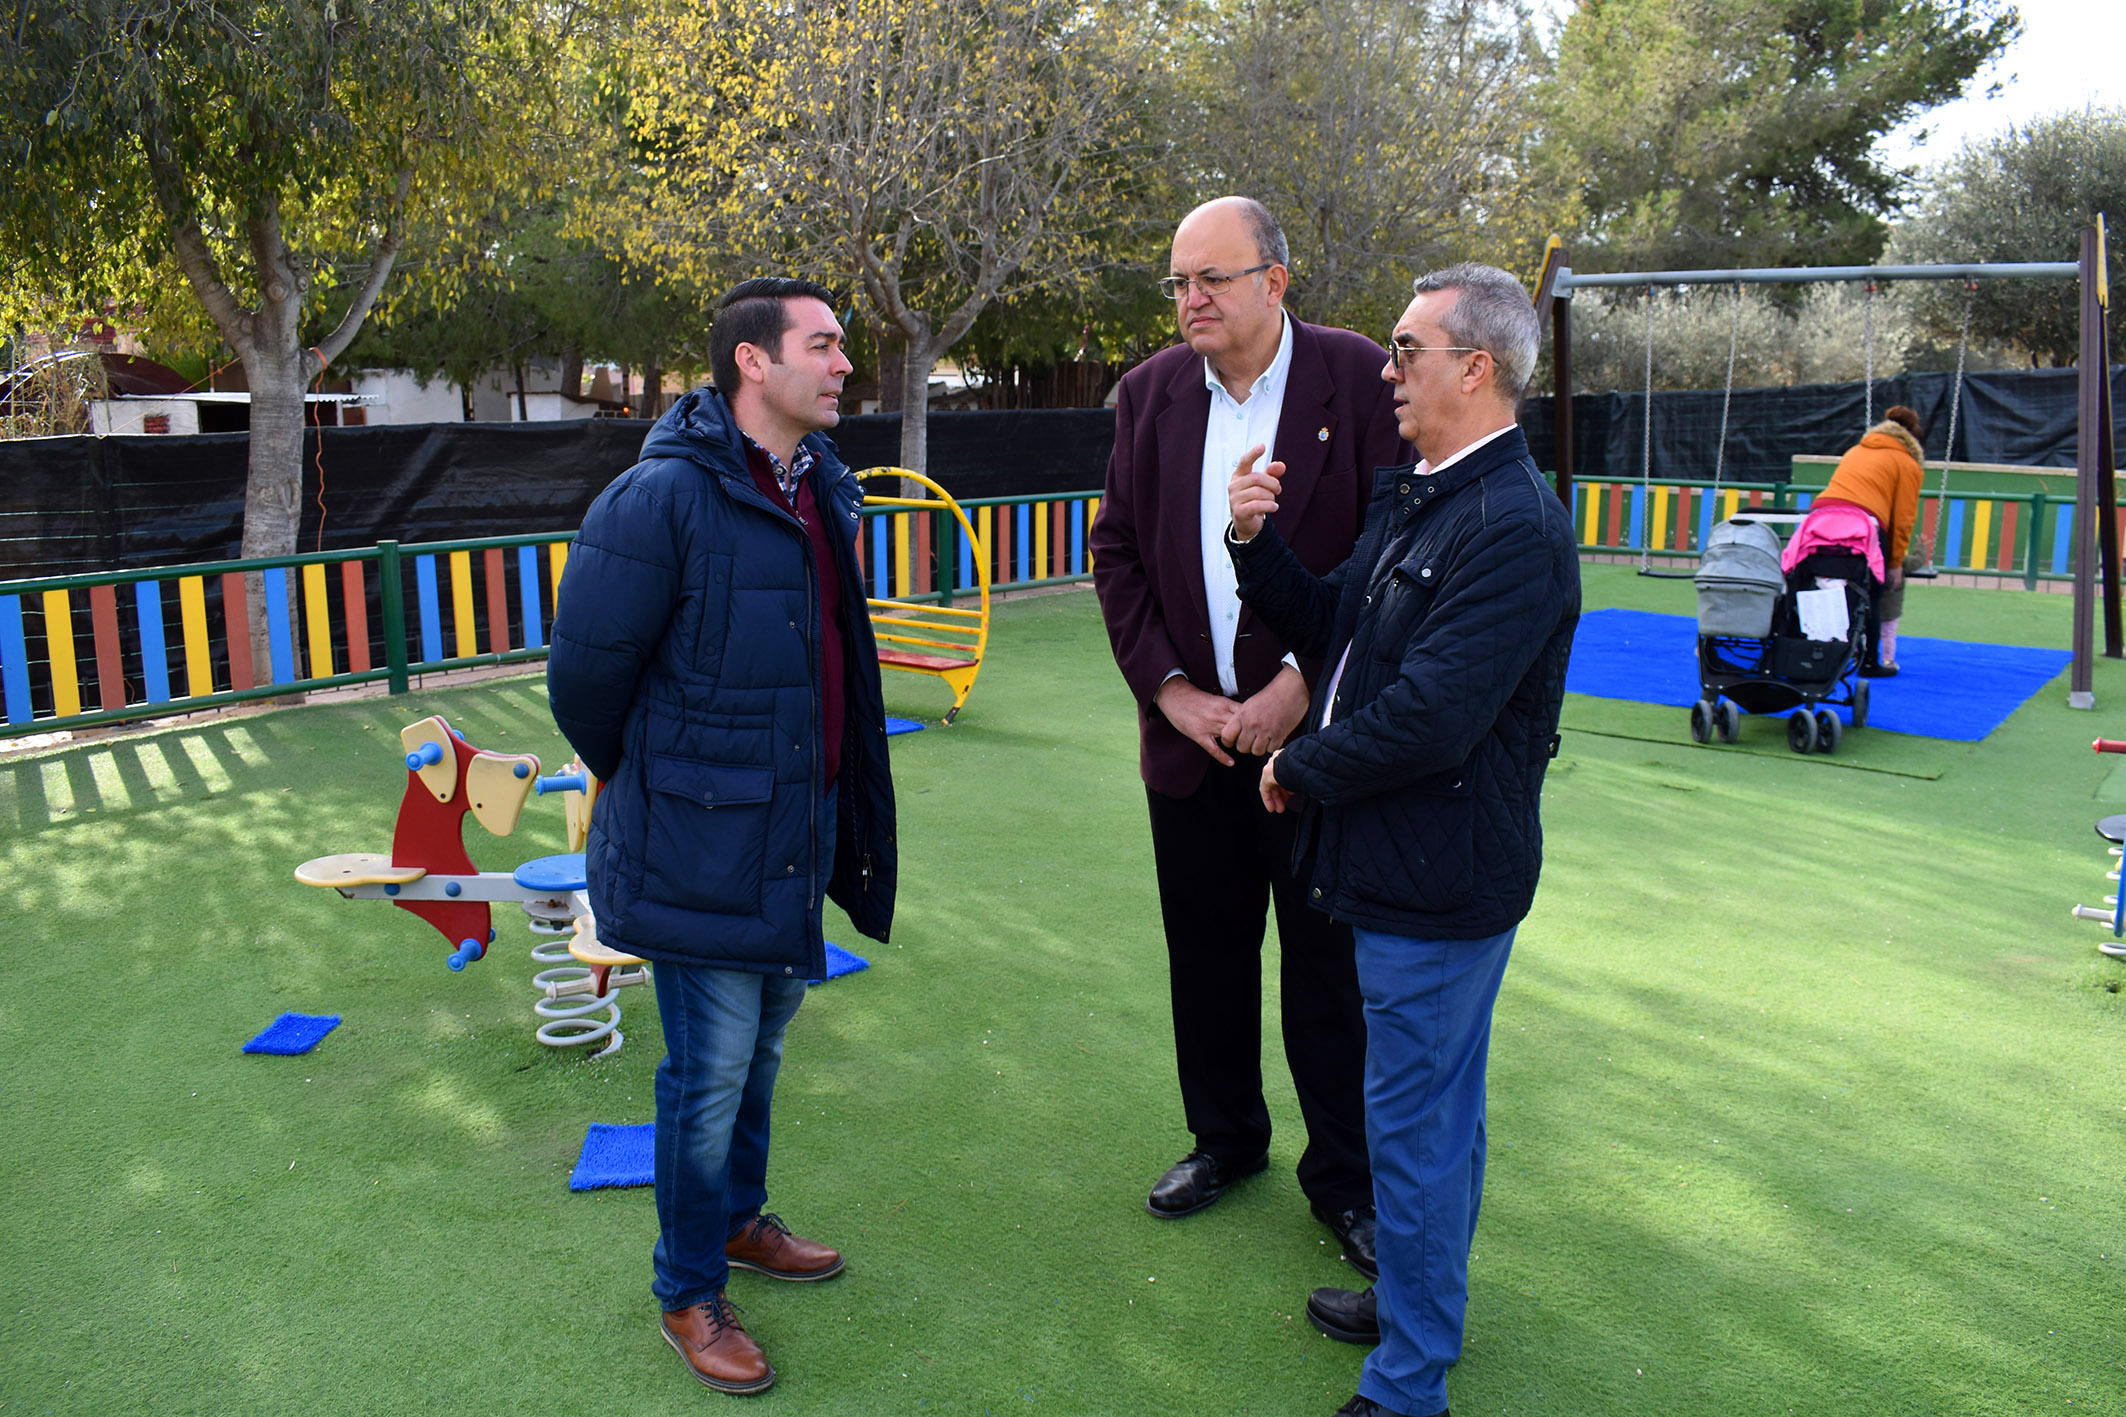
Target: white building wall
point(398, 396)
point(128, 416)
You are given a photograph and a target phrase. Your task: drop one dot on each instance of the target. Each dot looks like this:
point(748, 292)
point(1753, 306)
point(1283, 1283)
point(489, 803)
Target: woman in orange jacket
point(1881, 476)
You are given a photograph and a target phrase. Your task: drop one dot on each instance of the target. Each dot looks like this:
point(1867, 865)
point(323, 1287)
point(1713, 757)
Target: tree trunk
point(572, 369)
point(652, 390)
point(920, 359)
point(273, 487)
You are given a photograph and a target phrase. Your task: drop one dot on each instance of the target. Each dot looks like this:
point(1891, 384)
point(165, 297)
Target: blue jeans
point(1428, 1031)
point(723, 1033)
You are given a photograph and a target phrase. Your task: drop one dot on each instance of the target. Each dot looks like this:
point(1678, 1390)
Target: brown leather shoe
point(716, 1349)
point(766, 1246)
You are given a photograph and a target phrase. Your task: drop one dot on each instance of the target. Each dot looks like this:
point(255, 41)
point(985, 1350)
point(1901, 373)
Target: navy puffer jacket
point(1458, 604)
point(685, 672)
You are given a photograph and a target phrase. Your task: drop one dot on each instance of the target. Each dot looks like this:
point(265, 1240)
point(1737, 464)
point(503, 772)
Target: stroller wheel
point(1830, 729)
point(1801, 731)
point(1727, 720)
point(1860, 703)
point(1701, 722)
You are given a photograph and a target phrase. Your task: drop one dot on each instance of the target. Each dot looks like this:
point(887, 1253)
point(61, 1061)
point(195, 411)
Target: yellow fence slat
point(1658, 533)
point(199, 655)
point(903, 538)
point(1092, 515)
point(317, 621)
point(557, 558)
point(1040, 539)
point(1594, 511)
point(461, 604)
point(1981, 527)
point(1734, 502)
point(59, 641)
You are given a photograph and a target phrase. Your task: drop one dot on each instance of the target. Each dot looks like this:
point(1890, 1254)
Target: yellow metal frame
point(898, 622)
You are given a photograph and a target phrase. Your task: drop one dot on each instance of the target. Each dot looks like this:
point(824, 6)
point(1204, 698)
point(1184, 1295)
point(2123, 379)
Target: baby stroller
point(1774, 642)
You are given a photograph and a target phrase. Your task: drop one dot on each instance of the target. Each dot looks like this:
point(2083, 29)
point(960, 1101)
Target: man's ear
point(752, 362)
point(1481, 368)
point(1278, 279)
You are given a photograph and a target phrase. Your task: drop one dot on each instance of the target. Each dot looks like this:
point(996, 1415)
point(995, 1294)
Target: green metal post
point(947, 542)
point(393, 587)
point(2035, 542)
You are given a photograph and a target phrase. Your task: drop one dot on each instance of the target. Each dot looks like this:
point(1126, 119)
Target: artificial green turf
point(1805, 1095)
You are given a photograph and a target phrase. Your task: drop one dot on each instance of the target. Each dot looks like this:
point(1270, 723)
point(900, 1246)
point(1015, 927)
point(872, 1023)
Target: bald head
point(1232, 242)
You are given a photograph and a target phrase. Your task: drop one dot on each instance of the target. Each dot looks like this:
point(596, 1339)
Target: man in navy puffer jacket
point(1419, 783)
point(713, 664)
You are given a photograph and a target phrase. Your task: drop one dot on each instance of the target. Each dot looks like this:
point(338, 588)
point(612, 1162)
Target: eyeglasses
point(1402, 351)
point(1172, 286)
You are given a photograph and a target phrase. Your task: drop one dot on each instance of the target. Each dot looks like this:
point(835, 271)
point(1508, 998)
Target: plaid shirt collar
point(786, 478)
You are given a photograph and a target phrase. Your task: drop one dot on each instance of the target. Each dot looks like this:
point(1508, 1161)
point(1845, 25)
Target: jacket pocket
point(707, 837)
point(1397, 607)
point(1421, 855)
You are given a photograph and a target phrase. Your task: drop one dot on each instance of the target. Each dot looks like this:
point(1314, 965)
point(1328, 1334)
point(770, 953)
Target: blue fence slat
point(1638, 517)
point(431, 607)
point(154, 654)
point(277, 631)
point(967, 580)
point(881, 569)
point(528, 594)
point(14, 660)
point(1952, 544)
point(1077, 538)
point(2062, 538)
point(1022, 542)
point(1706, 498)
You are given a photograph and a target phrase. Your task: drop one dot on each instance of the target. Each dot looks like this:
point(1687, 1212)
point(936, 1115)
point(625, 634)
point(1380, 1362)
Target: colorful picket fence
point(79, 650)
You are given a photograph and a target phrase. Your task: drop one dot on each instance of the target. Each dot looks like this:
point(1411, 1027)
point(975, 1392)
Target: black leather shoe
point(1345, 1315)
point(1196, 1181)
point(1367, 1407)
point(1354, 1230)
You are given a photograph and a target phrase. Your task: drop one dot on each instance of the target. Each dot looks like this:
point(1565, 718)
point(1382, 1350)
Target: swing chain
point(1646, 445)
point(1727, 395)
point(1956, 398)
point(1867, 417)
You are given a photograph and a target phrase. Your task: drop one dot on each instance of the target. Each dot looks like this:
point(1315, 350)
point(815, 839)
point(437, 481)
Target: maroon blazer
point(1147, 539)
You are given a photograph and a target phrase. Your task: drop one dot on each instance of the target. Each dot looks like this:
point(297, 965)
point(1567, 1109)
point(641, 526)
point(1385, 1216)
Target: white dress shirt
point(1329, 704)
point(1233, 428)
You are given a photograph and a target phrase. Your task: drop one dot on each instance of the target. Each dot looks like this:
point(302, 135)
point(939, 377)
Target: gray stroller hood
point(1739, 581)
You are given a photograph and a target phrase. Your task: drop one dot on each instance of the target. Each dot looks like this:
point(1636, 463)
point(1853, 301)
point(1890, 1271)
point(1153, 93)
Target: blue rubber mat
point(1951, 689)
point(293, 1033)
point(841, 961)
point(615, 1156)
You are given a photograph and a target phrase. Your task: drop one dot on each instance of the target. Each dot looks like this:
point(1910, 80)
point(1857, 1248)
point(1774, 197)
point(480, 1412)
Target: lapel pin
point(1322, 436)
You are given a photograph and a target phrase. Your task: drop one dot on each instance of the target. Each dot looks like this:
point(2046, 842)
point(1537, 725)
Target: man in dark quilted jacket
point(713, 664)
point(1418, 783)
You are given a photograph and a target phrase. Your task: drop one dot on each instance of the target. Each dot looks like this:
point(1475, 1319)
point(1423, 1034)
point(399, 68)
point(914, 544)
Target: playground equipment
point(1557, 281)
point(909, 634)
point(428, 873)
point(2113, 913)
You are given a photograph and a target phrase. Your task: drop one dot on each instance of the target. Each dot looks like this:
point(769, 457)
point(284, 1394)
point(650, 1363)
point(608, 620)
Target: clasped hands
point(1258, 725)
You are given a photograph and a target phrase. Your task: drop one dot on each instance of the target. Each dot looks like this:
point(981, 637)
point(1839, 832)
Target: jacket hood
point(1894, 435)
point(699, 428)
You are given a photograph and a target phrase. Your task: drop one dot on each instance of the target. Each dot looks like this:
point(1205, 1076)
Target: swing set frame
point(2095, 481)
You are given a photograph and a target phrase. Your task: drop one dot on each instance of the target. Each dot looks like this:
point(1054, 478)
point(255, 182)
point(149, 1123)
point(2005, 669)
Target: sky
point(2059, 63)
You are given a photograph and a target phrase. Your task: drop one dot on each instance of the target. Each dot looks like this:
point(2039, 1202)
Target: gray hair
point(1492, 313)
point(1268, 235)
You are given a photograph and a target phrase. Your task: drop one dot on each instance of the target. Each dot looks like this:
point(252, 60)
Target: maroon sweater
point(833, 698)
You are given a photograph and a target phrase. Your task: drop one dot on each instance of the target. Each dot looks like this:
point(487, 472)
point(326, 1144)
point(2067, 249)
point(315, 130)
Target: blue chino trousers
point(723, 1035)
point(1428, 1032)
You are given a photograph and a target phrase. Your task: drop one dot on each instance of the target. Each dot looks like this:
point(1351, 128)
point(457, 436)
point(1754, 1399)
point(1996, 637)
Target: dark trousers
point(1222, 858)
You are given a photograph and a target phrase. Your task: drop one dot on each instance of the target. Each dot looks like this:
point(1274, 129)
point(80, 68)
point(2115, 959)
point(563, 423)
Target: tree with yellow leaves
point(936, 154)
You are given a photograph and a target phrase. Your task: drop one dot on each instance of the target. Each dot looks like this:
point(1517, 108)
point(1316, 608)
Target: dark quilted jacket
point(1458, 605)
point(685, 672)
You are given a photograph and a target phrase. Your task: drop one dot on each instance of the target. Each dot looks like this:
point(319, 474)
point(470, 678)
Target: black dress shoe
point(1354, 1230)
point(1195, 1181)
point(1367, 1407)
point(1345, 1315)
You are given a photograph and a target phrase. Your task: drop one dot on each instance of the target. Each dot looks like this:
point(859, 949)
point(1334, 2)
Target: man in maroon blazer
point(1217, 693)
